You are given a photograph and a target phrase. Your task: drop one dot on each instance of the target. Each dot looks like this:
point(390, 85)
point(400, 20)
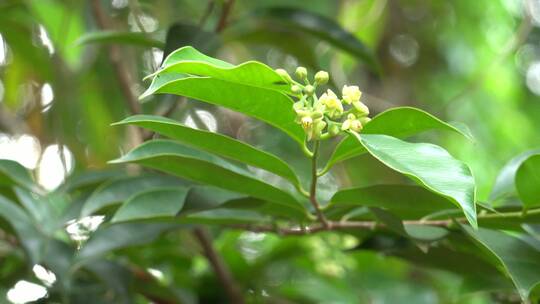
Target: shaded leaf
point(528, 181)
point(215, 143)
point(399, 122)
point(116, 37)
point(429, 165)
point(179, 160)
point(151, 204)
point(12, 173)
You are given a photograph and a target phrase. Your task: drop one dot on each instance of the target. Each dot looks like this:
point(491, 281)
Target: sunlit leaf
point(528, 181)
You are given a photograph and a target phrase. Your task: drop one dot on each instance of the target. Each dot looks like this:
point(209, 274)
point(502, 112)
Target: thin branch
point(225, 12)
point(313, 188)
point(120, 69)
point(220, 268)
point(369, 225)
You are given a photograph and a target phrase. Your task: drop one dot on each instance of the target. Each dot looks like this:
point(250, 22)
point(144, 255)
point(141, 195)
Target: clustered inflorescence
point(325, 116)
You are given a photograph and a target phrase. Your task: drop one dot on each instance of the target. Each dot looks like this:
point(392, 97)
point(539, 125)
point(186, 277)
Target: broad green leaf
point(399, 122)
point(225, 216)
point(12, 173)
point(119, 190)
point(518, 259)
point(38, 207)
point(406, 201)
point(24, 227)
point(429, 165)
point(214, 143)
point(207, 197)
point(112, 237)
point(179, 160)
point(319, 27)
point(505, 186)
point(116, 37)
point(528, 182)
point(151, 204)
point(251, 89)
point(416, 232)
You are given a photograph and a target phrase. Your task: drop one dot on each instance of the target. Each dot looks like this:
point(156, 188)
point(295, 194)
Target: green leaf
point(119, 190)
point(528, 182)
point(174, 158)
point(319, 27)
point(407, 201)
point(12, 173)
point(251, 88)
point(224, 216)
point(429, 165)
point(112, 237)
point(152, 204)
point(518, 259)
point(116, 37)
point(505, 183)
point(215, 143)
point(399, 122)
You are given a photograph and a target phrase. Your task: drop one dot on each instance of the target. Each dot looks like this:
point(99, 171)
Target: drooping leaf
point(407, 201)
point(429, 165)
point(119, 190)
point(251, 88)
point(505, 183)
point(399, 122)
point(116, 37)
point(214, 143)
point(315, 25)
point(528, 181)
point(518, 259)
point(12, 173)
point(179, 160)
point(162, 202)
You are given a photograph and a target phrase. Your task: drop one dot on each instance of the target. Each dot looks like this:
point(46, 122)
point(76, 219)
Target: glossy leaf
point(152, 204)
point(407, 201)
point(528, 181)
point(179, 160)
point(429, 165)
point(505, 183)
point(251, 88)
point(518, 259)
point(119, 190)
point(320, 27)
point(399, 122)
point(115, 37)
point(214, 143)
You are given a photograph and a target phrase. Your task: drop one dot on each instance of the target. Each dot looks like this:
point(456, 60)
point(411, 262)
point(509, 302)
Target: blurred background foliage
point(68, 69)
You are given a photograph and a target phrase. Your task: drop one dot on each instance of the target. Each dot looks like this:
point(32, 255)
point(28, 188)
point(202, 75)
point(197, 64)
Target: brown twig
point(220, 268)
point(225, 12)
point(119, 67)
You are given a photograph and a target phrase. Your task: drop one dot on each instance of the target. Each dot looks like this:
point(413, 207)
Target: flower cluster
point(326, 115)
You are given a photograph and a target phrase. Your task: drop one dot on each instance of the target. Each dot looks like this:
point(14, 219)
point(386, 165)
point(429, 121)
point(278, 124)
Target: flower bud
point(301, 72)
point(334, 108)
point(356, 125)
point(351, 94)
point(360, 108)
point(316, 115)
point(364, 120)
point(317, 129)
point(333, 129)
point(321, 77)
point(296, 89)
point(284, 75)
point(309, 90)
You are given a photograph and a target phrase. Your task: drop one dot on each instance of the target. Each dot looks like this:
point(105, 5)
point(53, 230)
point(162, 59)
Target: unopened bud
point(333, 129)
point(321, 77)
point(301, 72)
point(284, 75)
point(361, 109)
point(364, 120)
point(309, 90)
point(296, 89)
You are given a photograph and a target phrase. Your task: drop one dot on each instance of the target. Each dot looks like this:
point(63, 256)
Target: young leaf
point(399, 122)
point(528, 181)
point(251, 89)
point(429, 165)
point(518, 259)
point(407, 201)
point(179, 160)
point(163, 202)
point(214, 143)
point(505, 183)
